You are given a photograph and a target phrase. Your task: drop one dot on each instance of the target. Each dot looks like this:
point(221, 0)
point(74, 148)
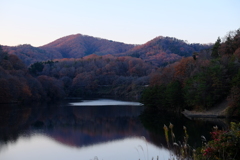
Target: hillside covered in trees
point(162, 51)
point(73, 46)
point(97, 75)
point(199, 82)
point(89, 76)
point(159, 51)
point(16, 84)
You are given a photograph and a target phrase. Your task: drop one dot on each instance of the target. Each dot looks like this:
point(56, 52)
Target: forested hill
point(160, 51)
point(77, 46)
point(73, 46)
point(201, 82)
point(92, 75)
point(29, 54)
point(164, 50)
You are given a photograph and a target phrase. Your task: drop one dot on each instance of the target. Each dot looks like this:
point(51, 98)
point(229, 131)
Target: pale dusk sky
point(129, 21)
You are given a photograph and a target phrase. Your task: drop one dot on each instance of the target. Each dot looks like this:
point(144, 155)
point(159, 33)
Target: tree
point(207, 87)
point(215, 52)
point(5, 96)
point(3, 55)
point(36, 67)
point(174, 96)
point(52, 87)
point(154, 97)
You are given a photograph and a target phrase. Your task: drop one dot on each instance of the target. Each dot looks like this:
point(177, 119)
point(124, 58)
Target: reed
point(165, 128)
point(182, 149)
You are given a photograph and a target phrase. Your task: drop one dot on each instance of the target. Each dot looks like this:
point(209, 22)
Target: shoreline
point(194, 114)
point(220, 111)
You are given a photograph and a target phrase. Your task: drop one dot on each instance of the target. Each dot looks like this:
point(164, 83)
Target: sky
point(128, 21)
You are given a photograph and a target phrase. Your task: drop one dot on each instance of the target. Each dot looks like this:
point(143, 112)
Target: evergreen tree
point(36, 67)
point(215, 52)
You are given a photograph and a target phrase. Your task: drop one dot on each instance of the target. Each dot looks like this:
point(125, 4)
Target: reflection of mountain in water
point(74, 126)
point(93, 125)
point(87, 125)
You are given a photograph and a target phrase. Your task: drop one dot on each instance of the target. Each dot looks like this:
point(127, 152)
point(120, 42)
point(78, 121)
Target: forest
point(88, 76)
point(166, 73)
point(199, 82)
point(97, 75)
point(159, 51)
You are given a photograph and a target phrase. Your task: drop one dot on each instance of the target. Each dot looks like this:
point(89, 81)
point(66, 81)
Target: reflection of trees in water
point(87, 132)
point(78, 126)
point(14, 119)
point(74, 126)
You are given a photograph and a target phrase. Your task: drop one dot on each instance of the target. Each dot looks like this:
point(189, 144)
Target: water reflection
point(63, 131)
point(130, 148)
point(60, 131)
point(154, 122)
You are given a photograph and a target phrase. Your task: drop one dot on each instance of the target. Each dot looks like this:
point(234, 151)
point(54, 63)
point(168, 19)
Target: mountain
point(29, 54)
point(164, 50)
point(73, 46)
point(159, 51)
point(77, 46)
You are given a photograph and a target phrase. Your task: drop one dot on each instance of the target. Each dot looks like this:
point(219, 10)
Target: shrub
point(224, 146)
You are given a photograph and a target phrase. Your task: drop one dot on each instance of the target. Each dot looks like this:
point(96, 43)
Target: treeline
point(73, 46)
point(89, 76)
point(162, 51)
point(77, 46)
point(29, 54)
point(18, 85)
point(201, 81)
point(97, 75)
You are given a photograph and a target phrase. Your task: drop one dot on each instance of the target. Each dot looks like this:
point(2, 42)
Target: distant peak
point(159, 37)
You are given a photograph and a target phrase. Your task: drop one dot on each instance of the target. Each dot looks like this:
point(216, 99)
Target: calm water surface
point(107, 129)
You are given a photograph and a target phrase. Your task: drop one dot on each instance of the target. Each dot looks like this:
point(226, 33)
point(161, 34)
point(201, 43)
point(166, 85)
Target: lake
point(103, 129)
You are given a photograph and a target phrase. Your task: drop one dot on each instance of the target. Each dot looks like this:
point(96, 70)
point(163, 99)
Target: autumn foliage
point(160, 51)
point(179, 75)
point(17, 85)
point(97, 74)
point(204, 80)
point(224, 144)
